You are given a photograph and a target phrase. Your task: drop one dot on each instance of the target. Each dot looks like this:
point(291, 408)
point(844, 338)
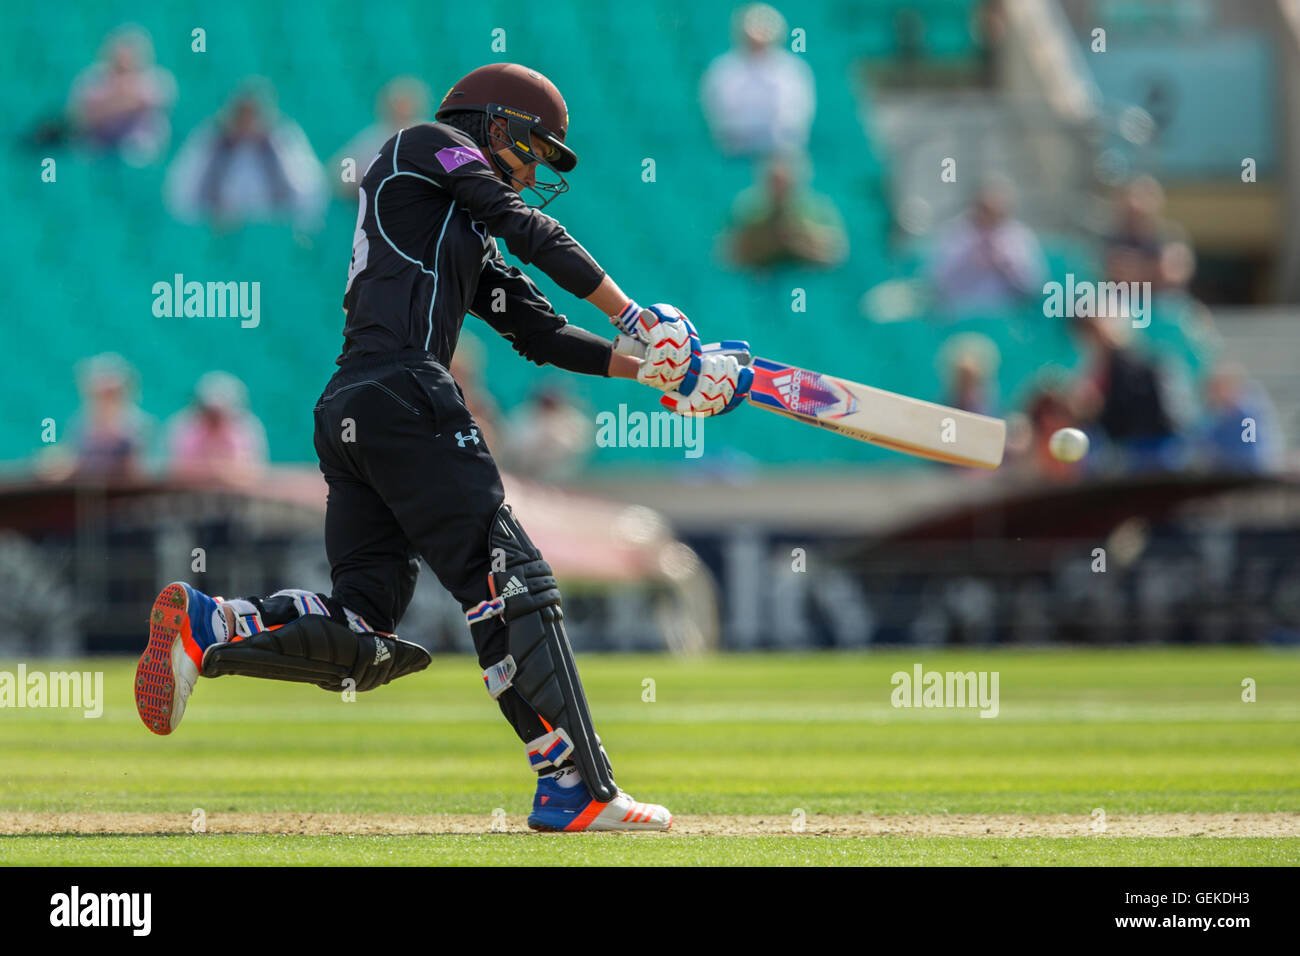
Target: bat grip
point(627, 345)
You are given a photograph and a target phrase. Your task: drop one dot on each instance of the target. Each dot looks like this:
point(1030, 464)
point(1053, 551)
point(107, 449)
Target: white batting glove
point(672, 346)
point(721, 386)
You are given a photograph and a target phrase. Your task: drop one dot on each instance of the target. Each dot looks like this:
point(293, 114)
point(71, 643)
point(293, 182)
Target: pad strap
point(549, 750)
point(500, 676)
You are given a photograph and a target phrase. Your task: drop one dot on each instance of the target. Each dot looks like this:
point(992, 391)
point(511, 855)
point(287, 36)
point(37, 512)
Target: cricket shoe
point(570, 809)
point(183, 624)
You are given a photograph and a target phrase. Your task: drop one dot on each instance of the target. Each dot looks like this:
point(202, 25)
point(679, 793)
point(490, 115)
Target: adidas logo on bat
point(788, 386)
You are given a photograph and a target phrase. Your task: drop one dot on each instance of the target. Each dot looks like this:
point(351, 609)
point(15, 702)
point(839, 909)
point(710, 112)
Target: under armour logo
point(472, 436)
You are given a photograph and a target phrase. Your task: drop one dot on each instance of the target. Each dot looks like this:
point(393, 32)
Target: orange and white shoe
point(183, 623)
point(573, 809)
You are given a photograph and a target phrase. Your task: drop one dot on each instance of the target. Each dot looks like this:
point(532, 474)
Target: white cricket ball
point(1068, 444)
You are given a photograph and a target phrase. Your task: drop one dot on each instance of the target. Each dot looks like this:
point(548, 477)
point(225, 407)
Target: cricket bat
point(907, 425)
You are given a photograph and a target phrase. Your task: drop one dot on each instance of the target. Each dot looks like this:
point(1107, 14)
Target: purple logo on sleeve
point(454, 157)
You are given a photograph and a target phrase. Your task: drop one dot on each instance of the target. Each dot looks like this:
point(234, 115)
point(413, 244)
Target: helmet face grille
point(532, 145)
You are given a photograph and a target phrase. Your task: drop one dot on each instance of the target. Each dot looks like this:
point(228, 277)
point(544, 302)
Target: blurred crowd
point(1140, 413)
point(247, 163)
point(251, 162)
point(759, 100)
point(214, 439)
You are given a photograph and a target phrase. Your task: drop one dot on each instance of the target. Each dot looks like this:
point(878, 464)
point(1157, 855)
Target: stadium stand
point(102, 237)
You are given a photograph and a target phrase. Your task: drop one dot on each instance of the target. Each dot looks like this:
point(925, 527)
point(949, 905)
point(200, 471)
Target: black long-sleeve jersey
point(425, 253)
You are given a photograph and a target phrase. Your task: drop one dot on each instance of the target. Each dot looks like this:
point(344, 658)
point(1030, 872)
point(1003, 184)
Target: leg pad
point(538, 661)
point(317, 650)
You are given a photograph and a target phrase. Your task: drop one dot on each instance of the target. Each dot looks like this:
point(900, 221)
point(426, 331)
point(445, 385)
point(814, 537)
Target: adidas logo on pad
point(513, 587)
point(381, 652)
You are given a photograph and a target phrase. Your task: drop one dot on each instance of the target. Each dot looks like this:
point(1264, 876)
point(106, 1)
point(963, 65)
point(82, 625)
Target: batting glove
point(672, 346)
point(721, 385)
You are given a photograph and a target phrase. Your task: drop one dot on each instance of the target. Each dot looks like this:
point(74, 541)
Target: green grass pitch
point(738, 739)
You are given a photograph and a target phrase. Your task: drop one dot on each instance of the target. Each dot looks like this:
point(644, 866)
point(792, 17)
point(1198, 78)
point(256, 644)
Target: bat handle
point(737, 347)
point(627, 345)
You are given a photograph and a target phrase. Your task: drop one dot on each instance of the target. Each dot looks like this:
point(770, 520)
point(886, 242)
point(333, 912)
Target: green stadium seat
point(101, 236)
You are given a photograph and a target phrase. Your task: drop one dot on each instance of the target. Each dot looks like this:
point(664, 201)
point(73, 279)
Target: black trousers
point(410, 477)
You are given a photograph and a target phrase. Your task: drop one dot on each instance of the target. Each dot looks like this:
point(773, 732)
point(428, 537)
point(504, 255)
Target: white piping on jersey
point(436, 249)
point(392, 245)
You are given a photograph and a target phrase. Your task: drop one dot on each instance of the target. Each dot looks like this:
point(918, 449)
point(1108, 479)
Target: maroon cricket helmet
point(529, 103)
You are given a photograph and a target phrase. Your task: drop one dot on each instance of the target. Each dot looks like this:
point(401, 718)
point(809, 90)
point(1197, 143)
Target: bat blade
point(904, 424)
point(862, 412)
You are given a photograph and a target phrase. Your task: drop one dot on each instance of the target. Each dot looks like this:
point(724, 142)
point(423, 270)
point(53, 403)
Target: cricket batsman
point(408, 473)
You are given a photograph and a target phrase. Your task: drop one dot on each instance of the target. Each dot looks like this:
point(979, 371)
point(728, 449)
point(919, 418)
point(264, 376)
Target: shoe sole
point(644, 828)
point(593, 825)
point(155, 675)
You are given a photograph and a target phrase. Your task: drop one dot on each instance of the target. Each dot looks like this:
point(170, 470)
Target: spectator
point(1124, 394)
point(217, 439)
point(909, 43)
point(782, 221)
point(971, 362)
point(548, 438)
point(1048, 410)
point(988, 260)
point(1142, 247)
point(402, 102)
point(1241, 433)
point(990, 29)
point(759, 98)
point(247, 163)
point(110, 435)
point(120, 102)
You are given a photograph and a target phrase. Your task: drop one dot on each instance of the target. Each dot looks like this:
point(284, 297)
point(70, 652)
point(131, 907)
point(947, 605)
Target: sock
point(248, 620)
point(567, 777)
